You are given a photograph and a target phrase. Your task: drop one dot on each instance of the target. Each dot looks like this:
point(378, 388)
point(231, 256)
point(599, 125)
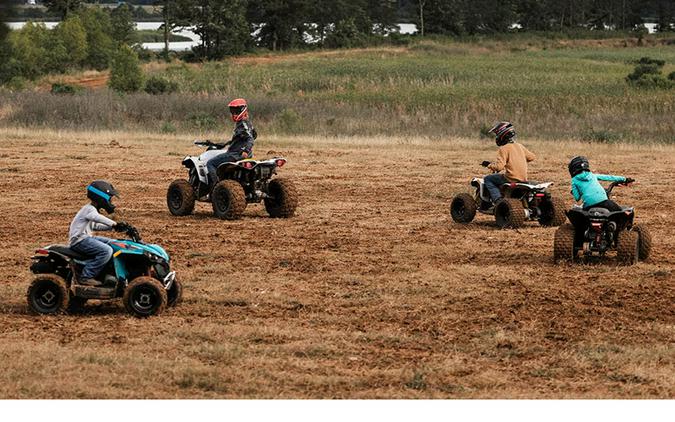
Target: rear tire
point(180, 198)
point(563, 244)
point(48, 295)
point(145, 297)
point(644, 241)
point(284, 198)
point(463, 208)
point(175, 294)
point(552, 212)
point(627, 248)
point(509, 213)
point(228, 200)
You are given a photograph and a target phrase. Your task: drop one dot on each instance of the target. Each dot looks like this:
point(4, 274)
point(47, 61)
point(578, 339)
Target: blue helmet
point(101, 193)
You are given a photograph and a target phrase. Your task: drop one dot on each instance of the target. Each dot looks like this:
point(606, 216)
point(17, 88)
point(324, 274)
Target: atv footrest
point(89, 292)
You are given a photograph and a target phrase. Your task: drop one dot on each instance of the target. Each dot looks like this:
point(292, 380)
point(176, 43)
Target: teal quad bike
point(138, 272)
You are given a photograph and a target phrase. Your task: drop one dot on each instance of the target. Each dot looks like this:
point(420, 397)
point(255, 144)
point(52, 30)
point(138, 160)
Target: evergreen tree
point(125, 73)
point(222, 26)
point(123, 25)
point(63, 7)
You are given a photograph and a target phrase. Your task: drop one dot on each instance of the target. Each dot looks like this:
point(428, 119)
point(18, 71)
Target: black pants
point(607, 204)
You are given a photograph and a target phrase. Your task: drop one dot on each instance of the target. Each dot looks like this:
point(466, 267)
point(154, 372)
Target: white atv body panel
point(199, 163)
point(482, 190)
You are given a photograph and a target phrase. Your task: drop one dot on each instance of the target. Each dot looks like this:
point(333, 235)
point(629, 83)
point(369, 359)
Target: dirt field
point(371, 291)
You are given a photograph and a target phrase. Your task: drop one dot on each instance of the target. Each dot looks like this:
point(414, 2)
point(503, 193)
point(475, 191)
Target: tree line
point(89, 36)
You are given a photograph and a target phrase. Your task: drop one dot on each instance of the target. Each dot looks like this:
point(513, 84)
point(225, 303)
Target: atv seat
point(65, 250)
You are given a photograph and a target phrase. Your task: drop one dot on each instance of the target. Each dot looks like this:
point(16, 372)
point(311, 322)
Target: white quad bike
point(521, 202)
point(239, 183)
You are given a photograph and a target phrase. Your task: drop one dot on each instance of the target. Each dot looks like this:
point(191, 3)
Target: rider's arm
point(101, 222)
point(610, 178)
point(529, 155)
point(499, 164)
point(576, 193)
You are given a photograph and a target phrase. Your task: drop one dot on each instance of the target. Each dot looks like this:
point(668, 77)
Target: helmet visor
point(237, 110)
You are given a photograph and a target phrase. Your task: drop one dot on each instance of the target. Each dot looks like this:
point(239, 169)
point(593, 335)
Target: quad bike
point(597, 231)
point(139, 273)
point(239, 183)
point(522, 201)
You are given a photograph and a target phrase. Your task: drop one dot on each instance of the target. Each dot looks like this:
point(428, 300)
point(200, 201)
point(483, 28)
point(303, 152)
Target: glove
point(629, 180)
point(485, 163)
point(121, 226)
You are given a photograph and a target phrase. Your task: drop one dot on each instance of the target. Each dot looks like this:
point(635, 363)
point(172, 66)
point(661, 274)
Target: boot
point(88, 282)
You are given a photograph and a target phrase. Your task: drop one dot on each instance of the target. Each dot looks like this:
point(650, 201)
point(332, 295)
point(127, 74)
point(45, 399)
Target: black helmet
point(578, 164)
point(101, 192)
point(504, 133)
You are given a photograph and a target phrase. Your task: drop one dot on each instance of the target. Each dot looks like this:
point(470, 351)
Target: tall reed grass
point(435, 89)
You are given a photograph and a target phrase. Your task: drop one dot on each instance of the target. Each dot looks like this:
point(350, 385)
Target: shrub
point(647, 74)
point(653, 81)
point(156, 85)
point(203, 122)
point(126, 74)
point(602, 135)
point(643, 69)
point(671, 77)
point(59, 88)
point(168, 127)
point(17, 83)
point(649, 61)
point(289, 120)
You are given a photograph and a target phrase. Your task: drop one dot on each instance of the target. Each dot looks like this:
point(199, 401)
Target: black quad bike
point(138, 272)
point(521, 202)
point(239, 183)
point(597, 231)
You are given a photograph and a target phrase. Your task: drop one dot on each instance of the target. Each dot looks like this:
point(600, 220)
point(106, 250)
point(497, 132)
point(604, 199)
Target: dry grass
point(370, 291)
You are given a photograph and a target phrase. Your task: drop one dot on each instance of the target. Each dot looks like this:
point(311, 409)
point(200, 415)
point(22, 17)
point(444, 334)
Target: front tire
point(627, 248)
point(145, 297)
point(509, 213)
point(563, 244)
point(463, 208)
point(283, 198)
point(228, 200)
point(48, 295)
point(180, 198)
point(644, 241)
point(552, 212)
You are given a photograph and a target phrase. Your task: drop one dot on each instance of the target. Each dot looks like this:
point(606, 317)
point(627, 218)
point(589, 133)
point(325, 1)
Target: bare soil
point(370, 291)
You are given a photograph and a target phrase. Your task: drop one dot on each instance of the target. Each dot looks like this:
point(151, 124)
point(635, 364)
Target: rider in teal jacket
point(585, 185)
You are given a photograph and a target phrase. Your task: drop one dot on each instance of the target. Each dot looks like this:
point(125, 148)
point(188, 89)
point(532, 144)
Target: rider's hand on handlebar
point(121, 226)
point(485, 163)
point(629, 180)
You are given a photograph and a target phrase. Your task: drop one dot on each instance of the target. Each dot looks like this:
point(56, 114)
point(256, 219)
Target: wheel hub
point(48, 297)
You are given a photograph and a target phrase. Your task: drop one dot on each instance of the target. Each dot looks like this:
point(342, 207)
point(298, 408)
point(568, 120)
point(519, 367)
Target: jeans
point(99, 249)
point(492, 183)
point(212, 164)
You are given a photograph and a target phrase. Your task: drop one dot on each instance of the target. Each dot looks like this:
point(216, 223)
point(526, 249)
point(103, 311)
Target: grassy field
point(370, 291)
point(551, 89)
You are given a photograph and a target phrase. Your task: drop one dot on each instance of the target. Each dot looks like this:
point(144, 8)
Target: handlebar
point(211, 145)
point(612, 185)
point(133, 233)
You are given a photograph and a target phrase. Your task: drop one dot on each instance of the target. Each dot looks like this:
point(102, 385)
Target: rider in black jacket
point(241, 144)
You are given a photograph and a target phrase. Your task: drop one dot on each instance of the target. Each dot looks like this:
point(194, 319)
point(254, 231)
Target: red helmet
point(504, 133)
point(238, 109)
